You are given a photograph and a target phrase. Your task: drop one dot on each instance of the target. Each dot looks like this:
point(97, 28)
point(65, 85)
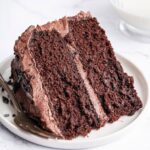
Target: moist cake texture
point(112, 85)
point(66, 77)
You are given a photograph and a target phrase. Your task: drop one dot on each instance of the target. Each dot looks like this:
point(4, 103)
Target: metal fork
point(21, 119)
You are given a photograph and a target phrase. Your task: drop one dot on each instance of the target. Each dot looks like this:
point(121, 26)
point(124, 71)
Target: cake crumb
point(6, 115)
point(14, 115)
point(5, 100)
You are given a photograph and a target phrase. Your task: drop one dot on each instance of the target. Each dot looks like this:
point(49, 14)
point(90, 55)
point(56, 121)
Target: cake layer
point(112, 85)
point(68, 98)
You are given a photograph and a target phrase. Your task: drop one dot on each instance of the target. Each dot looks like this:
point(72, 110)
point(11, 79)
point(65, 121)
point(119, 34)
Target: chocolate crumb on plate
point(5, 100)
point(6, 115)
point(2, 89)
point(13, 115)
point(9, 82)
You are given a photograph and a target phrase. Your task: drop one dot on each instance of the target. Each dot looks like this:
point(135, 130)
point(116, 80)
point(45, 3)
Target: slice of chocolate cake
point(105, 74)
point(51, 88)
point(67, 78)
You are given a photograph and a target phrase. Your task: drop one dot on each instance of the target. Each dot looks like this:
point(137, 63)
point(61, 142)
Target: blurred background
point(17, 15)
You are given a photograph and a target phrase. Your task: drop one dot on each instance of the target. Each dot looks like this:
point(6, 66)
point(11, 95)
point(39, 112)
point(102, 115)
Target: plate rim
point(17, 131)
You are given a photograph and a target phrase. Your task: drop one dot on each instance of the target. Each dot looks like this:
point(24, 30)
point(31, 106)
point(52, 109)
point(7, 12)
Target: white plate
point(100, 137)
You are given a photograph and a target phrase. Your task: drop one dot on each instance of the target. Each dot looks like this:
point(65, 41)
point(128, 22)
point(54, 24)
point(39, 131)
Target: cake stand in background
point(135, 18)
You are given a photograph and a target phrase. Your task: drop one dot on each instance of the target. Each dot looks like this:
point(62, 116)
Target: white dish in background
point(136, 17)
point(100, 137)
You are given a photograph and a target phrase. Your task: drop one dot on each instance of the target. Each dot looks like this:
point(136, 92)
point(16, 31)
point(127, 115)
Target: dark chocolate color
point(68, 98)
point(113, 86)
point(5, 100)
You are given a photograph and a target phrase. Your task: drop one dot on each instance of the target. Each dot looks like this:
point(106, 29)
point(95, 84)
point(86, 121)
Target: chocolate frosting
point(39, 97)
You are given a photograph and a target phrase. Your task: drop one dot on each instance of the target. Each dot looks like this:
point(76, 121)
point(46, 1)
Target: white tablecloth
point(17, 15)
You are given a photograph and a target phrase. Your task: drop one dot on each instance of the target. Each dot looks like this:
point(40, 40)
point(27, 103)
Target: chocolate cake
point(67, 78)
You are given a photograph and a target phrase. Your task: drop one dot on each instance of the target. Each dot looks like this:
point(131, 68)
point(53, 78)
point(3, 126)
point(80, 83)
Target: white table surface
point(17, 15)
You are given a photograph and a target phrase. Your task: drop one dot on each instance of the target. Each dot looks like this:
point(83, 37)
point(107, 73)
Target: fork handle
point(10, 93)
